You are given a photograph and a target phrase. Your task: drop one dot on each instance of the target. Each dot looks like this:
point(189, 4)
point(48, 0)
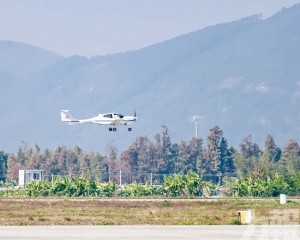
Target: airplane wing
point(117, 122)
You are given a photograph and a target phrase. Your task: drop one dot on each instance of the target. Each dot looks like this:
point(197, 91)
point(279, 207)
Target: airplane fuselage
point(110, 119)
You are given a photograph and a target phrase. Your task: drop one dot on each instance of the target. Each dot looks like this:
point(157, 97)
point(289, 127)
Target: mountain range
point(243, 76)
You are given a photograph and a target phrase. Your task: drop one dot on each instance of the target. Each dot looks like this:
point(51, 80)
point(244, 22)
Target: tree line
point(160, 157)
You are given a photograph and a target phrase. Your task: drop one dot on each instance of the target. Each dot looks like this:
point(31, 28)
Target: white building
point(25, 176)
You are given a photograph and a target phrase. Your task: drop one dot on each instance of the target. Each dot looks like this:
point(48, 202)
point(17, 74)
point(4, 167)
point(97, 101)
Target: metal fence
point(122, 178)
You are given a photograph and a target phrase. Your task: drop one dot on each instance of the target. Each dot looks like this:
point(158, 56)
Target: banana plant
point(137, 190)
point(60, 186)
point(105, 189)
point(37, 188)
point(193, 184)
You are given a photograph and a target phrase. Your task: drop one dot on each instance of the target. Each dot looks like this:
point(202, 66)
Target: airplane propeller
point(135, 115)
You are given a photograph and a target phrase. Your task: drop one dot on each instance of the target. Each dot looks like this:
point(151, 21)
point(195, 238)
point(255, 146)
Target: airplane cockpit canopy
point(109, 115)
point(112, 115)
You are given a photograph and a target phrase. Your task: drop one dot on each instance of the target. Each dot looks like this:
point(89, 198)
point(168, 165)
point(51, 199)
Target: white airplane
point(112, 119)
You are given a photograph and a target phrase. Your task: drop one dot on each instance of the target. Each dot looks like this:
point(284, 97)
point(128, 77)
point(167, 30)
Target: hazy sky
point(99, 27)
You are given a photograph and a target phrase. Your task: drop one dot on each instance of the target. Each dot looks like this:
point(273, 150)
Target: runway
point(147, 232)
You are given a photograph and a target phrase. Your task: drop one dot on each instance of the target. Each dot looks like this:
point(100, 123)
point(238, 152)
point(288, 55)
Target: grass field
point(69, 211)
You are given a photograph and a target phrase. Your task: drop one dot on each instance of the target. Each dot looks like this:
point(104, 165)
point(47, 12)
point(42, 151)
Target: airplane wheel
point(129, 129)
point(114, 129)
point(110, 129)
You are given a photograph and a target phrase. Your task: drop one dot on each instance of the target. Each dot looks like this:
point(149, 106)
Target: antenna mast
point(196, 119)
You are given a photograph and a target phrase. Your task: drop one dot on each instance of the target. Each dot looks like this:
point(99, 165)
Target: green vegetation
point(265, 187)
point(177, 185)
point(190, 185)
point(174, 186)
point(159, 168)
point(137, 190)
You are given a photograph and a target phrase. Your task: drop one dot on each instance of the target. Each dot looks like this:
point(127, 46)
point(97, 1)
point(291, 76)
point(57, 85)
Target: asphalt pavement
point(147, 232)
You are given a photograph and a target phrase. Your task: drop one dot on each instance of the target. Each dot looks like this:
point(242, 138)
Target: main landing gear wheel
point(129, 129)
point(112, 129)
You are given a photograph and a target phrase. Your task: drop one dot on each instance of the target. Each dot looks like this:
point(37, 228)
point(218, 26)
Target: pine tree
point(271, 151)
point(96, 164)
point(267, 162)
point(111, 159)
point(213, 150)
point(13, 167)
point(34, 158)
point(85, 164)
point(72, 161)
point(21, 156)
point(247, 158)
point(165, 164)
point(291, 148)
point(153, 155)
point(142, 146)
point(194, 154)
point(3, 165)
point(181, 162)
point(226, 155)
point(59, 161)
point(157, 153)
point(291, 157)
point(129, 163)
point(46, 163)
point(249, 149)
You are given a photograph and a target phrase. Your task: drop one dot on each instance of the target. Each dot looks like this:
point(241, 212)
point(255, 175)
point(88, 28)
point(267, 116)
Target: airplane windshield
point(119, 115)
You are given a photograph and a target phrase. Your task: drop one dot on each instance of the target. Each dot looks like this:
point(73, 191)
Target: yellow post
point(244, 216)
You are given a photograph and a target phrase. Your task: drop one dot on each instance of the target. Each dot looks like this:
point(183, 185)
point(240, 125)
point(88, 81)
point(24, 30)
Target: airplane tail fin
point(66, 117)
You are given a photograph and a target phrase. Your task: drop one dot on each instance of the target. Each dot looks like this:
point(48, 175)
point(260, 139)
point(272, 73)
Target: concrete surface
point(147, 232)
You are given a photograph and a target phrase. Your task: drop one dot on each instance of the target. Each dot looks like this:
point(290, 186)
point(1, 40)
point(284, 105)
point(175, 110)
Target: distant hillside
point(21, 59)
point(242, 76)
